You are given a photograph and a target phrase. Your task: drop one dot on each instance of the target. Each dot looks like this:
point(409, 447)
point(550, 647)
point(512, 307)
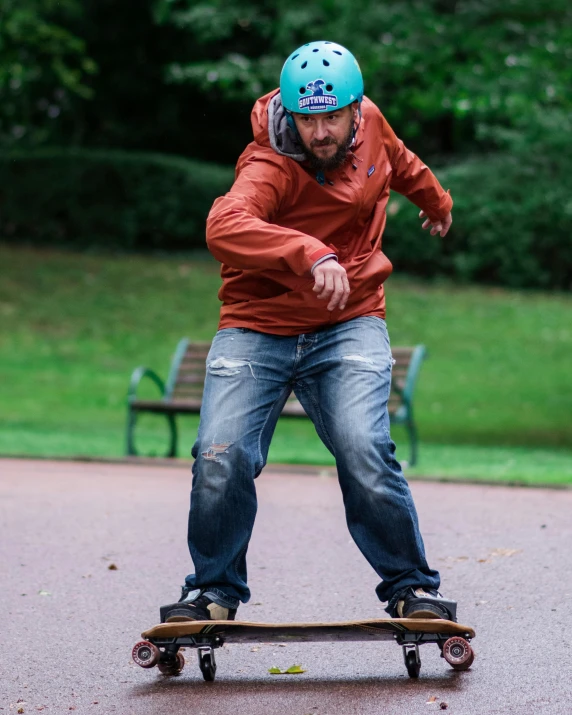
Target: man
point(299, 238)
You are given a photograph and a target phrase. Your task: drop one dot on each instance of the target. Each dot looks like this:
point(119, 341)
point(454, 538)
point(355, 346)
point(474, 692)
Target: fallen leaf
point(455, 559)
point(112, 567)
point(292, 670)
point(295, 669)
point(44, 593)
point(256, 648)
point(20, 710)
point(443, 705)
point(499, 552)
point(432, 699)
point(505, 552)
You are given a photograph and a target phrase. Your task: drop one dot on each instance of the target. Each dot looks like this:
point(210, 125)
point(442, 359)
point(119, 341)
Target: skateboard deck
point(162, 642)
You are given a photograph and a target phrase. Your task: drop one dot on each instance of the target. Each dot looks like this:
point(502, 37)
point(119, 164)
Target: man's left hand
point(440, 227)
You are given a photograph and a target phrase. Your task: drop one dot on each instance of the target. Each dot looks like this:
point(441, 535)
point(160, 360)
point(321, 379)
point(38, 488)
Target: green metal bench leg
point(131, 423)
point(174, 436)
point(412, 441)
point(131, 420)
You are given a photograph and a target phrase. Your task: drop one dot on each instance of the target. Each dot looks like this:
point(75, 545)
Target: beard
point(334, 161)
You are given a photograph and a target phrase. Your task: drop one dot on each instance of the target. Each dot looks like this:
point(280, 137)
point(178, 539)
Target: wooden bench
point(183, 392)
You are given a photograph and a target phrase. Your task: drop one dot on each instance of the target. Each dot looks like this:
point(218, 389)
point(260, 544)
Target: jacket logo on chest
point(371, 170)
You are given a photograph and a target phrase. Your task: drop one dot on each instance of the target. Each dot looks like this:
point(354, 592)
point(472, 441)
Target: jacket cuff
point(320, 253)
point(437, 213)
point(322, 259)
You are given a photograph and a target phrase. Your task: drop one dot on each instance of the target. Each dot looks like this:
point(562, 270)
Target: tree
point(42, 67)
point(458, 71)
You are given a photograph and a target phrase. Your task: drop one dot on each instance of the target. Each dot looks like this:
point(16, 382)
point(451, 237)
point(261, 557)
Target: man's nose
point(320, 131)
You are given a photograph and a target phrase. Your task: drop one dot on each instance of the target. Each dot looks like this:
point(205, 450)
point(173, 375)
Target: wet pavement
point(89, 552)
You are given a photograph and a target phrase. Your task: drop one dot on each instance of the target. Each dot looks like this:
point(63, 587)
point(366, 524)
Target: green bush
point(111, 199)
point(512, 222)
point(512, 213)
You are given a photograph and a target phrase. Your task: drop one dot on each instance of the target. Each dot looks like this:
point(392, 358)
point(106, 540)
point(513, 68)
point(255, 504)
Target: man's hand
point(331, 282)
point(440, 227)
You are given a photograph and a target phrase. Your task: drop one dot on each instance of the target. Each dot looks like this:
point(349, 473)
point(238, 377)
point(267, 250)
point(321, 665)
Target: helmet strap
point(290, 121)
point(356, 126)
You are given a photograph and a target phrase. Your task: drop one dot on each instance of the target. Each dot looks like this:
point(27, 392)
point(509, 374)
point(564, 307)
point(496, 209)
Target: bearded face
point(327, 137)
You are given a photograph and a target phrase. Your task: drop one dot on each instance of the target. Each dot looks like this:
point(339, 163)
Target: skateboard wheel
point(458, 653)
point(145, 654)
point(412, 664)
point(207, 665)
point(173, 667)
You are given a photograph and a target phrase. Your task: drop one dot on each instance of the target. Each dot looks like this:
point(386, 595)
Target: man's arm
point(240, 228)
point(412, 178)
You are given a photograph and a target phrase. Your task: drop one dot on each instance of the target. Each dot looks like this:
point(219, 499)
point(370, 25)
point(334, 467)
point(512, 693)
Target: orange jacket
point(277, 220)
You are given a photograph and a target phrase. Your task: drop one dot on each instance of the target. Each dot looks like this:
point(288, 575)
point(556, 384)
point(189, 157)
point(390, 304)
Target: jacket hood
point(270, 127)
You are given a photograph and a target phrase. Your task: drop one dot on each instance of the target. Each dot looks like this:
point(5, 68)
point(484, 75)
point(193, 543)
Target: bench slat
point(188, 388)
point(192, 406)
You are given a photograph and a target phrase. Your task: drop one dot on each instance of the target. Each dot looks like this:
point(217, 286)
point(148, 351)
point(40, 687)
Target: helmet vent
point(304, 65)
point(329, 87)
point(295, 57)
point(302, 90)
point(316, 50)
point(325, 63)
point(337, 52)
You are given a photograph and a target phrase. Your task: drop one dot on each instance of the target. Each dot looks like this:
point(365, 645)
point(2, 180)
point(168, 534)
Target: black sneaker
point(195, 606)
point(425, 603)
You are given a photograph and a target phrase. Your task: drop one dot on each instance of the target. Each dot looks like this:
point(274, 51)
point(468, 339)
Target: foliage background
point(479, 89)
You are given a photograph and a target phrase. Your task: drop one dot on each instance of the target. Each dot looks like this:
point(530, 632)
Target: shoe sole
point(180, 619)
point(427, 613)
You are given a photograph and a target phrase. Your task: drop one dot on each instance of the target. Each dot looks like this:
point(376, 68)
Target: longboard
point(161, 643)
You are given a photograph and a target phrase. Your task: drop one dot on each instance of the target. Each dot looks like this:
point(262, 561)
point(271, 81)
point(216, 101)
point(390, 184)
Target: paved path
point(69, 621)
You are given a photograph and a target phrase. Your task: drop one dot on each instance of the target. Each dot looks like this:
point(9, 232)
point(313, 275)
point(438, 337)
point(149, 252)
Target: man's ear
point(356, 111)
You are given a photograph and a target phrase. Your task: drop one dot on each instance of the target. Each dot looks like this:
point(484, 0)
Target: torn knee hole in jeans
point(358, 358)
point(216, 448)
point(225, 367)
point(361, 358)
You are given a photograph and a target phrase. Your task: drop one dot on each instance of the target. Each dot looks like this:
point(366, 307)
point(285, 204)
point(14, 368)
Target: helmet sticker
point(318, 101)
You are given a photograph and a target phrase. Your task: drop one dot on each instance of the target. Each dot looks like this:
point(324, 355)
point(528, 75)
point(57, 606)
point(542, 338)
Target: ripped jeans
point(342, 377)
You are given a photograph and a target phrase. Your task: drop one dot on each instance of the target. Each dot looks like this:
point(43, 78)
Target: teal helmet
point(320, 77)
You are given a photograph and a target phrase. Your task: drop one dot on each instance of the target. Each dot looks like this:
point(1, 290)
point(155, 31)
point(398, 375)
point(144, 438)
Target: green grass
point(494, 398)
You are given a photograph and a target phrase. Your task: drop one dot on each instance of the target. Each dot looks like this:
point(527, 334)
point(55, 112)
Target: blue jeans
point(342, 377)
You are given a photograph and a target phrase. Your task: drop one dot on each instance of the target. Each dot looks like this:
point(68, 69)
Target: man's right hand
point(331, 283)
